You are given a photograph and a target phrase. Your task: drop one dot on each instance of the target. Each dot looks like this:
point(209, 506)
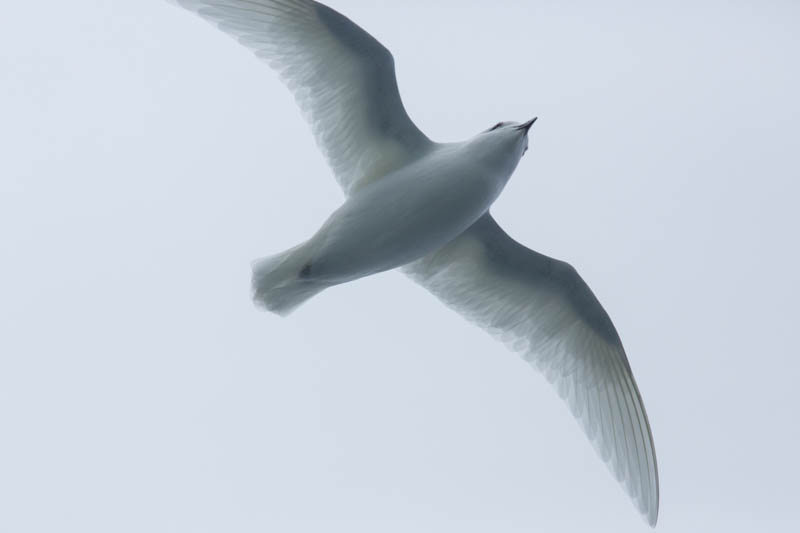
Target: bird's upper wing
point(543, 309)
point(343, 80)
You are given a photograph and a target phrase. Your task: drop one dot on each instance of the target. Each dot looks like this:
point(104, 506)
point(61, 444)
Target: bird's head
point(512, 135)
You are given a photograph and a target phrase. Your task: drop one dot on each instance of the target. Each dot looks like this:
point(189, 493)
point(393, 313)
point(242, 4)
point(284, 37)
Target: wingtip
point(648, 509)
point(651, 516)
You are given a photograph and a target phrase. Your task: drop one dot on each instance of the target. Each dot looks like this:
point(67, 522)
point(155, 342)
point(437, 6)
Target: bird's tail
point(281, 283)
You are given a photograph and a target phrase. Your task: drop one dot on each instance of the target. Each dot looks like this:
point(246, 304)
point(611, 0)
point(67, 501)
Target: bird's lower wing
point(342, 78)
point(543, 309)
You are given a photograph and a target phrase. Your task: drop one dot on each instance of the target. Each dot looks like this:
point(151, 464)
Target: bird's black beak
point(525, 127)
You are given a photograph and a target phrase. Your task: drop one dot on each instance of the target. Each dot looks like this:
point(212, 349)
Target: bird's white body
point(424, 207)
point(416, 209)
point(399, 218)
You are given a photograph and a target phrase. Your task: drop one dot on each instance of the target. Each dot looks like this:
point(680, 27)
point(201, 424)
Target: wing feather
point(342, 78)
point(543, 309)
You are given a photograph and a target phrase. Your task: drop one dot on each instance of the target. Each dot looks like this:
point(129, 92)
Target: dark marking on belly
point(305, 272)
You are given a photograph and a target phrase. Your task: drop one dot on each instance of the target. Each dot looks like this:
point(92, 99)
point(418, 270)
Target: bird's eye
point(494, 127)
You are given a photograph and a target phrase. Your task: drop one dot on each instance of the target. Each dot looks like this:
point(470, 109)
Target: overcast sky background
point(147, 159)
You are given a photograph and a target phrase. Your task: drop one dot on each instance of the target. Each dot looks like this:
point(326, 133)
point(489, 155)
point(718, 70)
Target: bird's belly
point(397, 221)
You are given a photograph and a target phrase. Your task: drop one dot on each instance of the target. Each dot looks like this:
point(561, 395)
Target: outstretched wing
point(543, 309)
point(342, 78)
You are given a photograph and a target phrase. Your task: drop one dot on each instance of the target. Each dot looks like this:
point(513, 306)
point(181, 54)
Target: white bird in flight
point(423, 207)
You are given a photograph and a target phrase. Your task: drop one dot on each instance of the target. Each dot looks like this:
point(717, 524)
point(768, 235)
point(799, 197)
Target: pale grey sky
point(148, 158)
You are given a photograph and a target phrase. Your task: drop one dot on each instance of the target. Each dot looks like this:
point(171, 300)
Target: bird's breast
point(404, 216)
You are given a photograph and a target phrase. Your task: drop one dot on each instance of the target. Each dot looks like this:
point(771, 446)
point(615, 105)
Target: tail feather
point(280, 284)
